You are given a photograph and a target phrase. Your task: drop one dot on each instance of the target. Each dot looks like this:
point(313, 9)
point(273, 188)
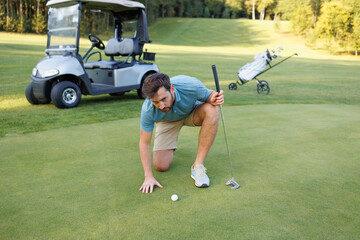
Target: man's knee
point(206, 112)
point(211, 112)
point(162, 160)
point(161, 166)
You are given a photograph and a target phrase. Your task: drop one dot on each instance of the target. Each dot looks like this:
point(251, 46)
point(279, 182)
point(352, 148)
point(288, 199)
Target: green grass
point(297, 166)
point(312, 77)
point(74, 173)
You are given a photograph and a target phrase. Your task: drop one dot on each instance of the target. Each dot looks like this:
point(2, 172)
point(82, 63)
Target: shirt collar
point(177, 96)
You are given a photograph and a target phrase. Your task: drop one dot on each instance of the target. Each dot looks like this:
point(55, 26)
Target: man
point(171, 104)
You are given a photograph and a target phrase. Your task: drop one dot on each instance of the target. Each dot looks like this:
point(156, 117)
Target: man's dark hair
point(154, 82)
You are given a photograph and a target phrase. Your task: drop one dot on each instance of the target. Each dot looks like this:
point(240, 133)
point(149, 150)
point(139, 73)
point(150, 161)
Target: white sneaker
point(198, 173)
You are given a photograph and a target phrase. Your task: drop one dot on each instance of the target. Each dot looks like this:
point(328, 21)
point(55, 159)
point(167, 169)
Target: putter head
point(233, 183)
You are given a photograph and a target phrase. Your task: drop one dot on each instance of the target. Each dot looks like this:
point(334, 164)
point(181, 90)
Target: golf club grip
point(216, 78)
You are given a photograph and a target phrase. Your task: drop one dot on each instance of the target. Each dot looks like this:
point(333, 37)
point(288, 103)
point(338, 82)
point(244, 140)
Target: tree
point(334, 25)
point(2, 17)
point(206, 12)
point(315, 8)
point(38, 21)
point(167, 7)
point(355, 36)
point(250, 7)
point(301, 20)
point(215, 7)
point(20, 27)
point(233, 7)
point(334, 22)
point(285, 8)
point(263, 4)
point(7, 15)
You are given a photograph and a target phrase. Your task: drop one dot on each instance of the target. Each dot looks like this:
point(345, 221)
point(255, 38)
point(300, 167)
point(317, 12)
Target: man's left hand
point(216, 98)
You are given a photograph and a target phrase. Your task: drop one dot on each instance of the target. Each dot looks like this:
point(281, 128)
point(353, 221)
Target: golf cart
point(63, 75)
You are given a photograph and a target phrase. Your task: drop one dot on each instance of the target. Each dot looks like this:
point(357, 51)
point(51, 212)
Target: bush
point(334, 22)
point(301, 20)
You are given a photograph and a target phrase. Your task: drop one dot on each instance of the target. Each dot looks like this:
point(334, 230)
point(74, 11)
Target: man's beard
point(167, 109)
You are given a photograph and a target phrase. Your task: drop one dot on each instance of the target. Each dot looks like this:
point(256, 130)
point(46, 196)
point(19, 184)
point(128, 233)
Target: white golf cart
point(63, 75)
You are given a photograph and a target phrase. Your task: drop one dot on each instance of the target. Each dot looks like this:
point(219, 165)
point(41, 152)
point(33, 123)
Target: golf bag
point(260, 65)
point(250, 70)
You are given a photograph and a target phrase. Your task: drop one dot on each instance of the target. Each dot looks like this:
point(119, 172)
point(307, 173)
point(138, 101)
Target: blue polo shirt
point(189, 92)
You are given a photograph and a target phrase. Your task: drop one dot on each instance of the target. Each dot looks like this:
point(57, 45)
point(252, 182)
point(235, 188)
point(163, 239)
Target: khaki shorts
point(167, 133)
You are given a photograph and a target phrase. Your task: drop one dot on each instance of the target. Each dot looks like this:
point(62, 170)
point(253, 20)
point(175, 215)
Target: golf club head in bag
point(231, 182)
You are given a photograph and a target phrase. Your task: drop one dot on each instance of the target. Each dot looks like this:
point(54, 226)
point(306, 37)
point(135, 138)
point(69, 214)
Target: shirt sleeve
point(146, 120)
point(202, 92)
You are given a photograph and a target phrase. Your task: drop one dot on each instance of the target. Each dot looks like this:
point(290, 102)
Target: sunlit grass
point(297, 165)
point(12, 102)
point(190, 47)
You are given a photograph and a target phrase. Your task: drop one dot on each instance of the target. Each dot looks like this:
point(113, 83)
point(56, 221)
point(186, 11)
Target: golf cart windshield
point(63, 29)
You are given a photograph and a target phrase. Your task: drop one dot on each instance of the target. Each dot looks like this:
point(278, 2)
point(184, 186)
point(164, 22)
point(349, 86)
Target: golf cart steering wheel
point(95, 41)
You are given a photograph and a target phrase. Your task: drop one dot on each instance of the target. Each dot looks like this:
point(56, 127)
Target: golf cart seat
point(127, 47)
point(122, 48)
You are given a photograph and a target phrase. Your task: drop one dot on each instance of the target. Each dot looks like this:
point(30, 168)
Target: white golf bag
point(251, 70)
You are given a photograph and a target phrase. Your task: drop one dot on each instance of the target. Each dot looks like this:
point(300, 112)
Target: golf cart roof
point(106, 5)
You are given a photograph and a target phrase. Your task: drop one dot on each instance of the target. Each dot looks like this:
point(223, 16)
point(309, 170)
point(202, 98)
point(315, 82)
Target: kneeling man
point(171, 104)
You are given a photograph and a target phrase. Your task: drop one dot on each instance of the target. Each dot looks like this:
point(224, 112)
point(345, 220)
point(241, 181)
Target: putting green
point(298, 167)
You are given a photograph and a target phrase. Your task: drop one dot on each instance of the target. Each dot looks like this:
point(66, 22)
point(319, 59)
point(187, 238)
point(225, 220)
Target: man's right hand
point(148, 185)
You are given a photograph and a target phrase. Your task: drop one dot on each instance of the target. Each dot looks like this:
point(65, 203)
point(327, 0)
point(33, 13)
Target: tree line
point(335, 22)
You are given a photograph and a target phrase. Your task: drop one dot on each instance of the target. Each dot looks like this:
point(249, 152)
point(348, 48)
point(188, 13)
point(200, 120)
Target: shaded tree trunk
point(253, 10)
point(21, 24)
point(38, 7)
point(314, 19)
point(7, 15)
point(262, 14)
point(37, 15)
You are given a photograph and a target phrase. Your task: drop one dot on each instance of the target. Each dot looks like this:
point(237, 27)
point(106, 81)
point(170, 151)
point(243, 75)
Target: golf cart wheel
point(263, 87)
point(29, 93)
point(232, 86)
point(66, 95)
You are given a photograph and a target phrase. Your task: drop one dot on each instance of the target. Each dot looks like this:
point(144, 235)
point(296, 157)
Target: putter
point(231, 182)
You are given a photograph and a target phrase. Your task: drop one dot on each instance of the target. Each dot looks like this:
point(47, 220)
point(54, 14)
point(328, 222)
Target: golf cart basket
point(260, 65)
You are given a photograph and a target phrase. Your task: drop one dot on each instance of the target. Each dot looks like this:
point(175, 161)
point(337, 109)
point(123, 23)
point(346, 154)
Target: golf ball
point(174, 197)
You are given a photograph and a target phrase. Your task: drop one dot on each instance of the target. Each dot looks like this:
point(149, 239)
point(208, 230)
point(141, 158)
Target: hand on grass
point(148, 185)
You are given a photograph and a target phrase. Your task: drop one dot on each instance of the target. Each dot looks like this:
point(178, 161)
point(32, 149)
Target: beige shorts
point(167, 133)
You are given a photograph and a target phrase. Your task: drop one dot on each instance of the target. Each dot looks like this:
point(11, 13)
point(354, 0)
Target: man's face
point(163, 99)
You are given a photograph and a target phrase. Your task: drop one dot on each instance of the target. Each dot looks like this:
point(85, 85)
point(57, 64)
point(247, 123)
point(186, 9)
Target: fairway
point(297, 166)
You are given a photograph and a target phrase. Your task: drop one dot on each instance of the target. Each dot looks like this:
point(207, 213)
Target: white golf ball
point(174, 197)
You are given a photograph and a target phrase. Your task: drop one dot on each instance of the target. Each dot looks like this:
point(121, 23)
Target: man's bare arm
point(145, 155)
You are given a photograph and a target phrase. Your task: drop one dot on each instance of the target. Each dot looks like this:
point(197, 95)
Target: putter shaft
point(231, 182)
point(226, 141)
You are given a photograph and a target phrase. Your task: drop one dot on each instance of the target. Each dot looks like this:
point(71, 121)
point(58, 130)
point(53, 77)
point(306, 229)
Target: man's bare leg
point(206, 116)
point(162, 159)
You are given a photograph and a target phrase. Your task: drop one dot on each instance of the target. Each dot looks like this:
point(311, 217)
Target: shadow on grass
point(129, 96)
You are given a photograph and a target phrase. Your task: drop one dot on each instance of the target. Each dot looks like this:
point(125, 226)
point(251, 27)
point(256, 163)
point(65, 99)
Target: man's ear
point(172, 89)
